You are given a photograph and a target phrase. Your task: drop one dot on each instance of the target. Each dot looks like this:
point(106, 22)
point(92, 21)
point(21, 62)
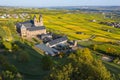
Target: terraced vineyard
point(70, 24)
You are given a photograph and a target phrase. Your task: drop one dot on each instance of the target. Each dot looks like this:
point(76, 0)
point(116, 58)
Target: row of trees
point(9, 46)
point(108, 50)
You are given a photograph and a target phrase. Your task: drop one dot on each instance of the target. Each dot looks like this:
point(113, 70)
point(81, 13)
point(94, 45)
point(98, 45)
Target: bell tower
point(35, 21)
point(40, 20)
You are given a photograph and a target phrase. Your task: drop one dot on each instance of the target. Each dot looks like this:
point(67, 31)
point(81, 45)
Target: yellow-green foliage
point(7, 45)
point(69, 24)
point(8, 35)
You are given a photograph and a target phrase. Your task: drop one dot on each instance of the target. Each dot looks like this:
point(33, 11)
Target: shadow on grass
point(31, 69)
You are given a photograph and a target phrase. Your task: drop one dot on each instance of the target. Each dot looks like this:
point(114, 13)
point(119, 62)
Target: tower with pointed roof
point(35, 19)
point(39, 22)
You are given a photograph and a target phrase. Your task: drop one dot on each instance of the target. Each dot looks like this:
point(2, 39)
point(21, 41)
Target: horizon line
point(63, 6)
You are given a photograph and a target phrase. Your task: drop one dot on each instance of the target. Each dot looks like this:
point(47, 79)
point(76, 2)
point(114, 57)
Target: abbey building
point(31, 28)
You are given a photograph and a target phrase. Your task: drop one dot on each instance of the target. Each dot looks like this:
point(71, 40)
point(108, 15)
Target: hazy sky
point(42, 3)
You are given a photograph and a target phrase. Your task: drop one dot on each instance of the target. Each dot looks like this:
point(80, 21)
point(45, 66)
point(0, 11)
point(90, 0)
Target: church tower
point(39, 22)
point(35, 21)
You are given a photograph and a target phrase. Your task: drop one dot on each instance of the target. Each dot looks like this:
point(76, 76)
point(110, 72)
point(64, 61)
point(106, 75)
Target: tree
point(116, 60)
point(79, 66)
point(18, 76)
point(7, 75)
point(11, 68)
point(61, 55)
point(7, 45)
point(94, 47)
point(85, 54)
point(62, 74)
point(15, 47)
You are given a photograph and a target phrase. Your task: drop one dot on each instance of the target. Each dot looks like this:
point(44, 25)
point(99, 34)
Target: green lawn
point(32, 69)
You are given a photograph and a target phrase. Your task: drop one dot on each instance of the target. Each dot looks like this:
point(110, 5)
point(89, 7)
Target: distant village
point(113, 24)
point(52, 44)
point(15, 16)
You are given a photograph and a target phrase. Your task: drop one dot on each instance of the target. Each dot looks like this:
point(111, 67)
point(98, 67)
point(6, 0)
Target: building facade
point(56, 42)
point(31, 28)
